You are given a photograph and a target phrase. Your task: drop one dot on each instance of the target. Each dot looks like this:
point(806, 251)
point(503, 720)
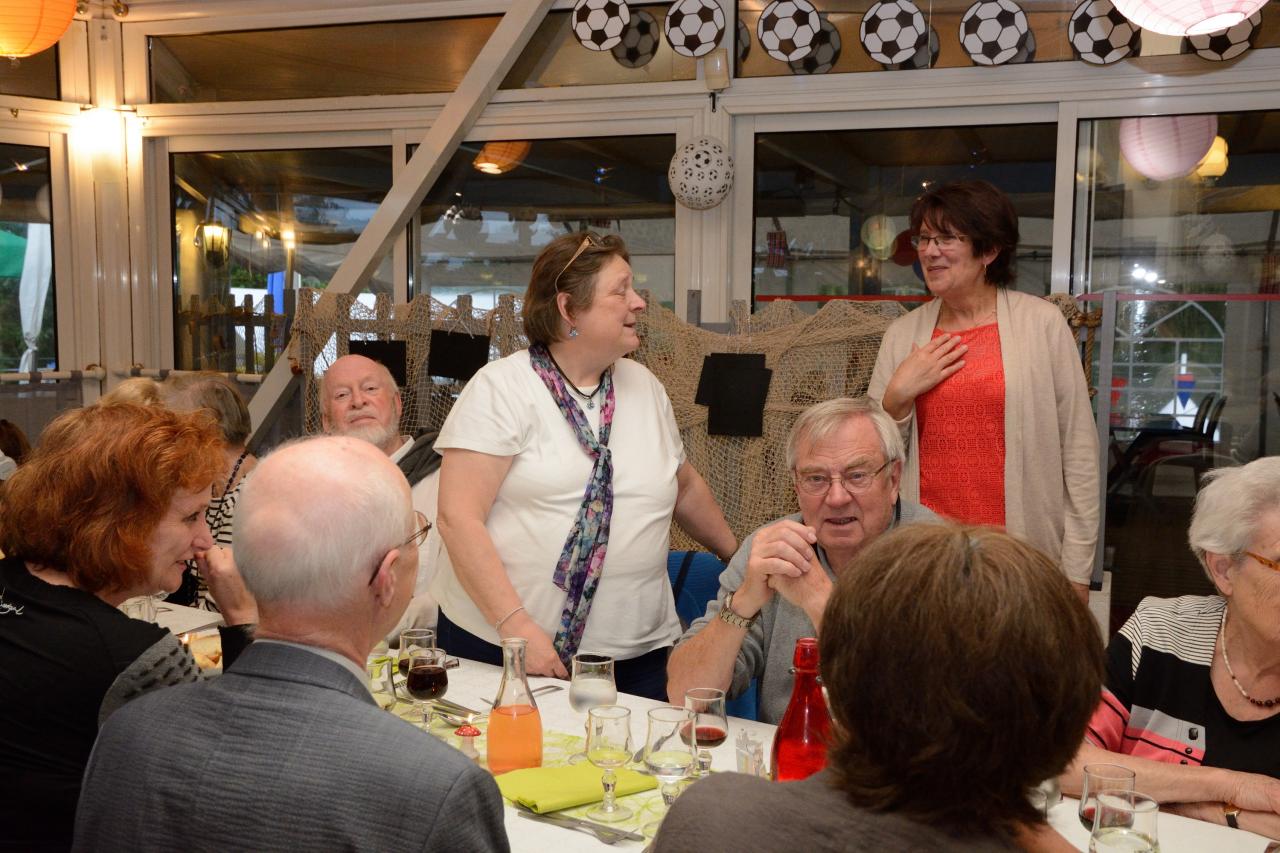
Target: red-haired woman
point(109, 506)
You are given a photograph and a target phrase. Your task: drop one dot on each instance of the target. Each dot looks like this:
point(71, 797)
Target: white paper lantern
point(1187, 17)
point(1166, 147)
point(701, 173)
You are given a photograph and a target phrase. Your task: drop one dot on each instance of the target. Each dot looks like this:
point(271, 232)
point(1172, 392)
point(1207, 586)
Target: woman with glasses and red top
point(986, 386)
point(562, 470)
point(1192, 696)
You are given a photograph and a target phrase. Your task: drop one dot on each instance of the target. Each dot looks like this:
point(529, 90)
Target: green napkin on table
point(550, 789)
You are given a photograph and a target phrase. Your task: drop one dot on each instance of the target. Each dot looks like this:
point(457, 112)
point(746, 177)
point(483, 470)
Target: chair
point(695, 580)
point(1202, 441)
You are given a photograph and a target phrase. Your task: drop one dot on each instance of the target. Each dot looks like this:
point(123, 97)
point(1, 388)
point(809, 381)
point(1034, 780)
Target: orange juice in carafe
point(515, 726)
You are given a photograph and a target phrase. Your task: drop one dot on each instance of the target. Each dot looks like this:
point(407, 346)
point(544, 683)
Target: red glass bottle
point(800, 744)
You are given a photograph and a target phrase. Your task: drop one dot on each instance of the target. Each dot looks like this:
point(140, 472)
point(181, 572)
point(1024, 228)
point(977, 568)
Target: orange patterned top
point(961, 425)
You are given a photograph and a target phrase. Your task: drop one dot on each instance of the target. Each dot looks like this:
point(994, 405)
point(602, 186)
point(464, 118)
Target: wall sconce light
point(715, 73)
point(498, 158)
point(215, 239)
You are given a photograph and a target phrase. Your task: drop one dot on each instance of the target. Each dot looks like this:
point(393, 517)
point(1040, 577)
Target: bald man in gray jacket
point(287, 750)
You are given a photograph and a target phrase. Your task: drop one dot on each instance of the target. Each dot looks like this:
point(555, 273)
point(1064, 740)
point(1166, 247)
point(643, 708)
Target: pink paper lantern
point(1187, 17)
point(1165, 147)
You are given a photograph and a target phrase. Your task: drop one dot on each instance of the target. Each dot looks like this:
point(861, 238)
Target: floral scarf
point(582, 560)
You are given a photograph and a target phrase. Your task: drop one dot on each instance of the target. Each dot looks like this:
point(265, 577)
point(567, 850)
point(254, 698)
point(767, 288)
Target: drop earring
point(573, 331)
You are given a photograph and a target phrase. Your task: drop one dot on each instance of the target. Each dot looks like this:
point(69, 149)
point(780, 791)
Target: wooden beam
point(407, 192)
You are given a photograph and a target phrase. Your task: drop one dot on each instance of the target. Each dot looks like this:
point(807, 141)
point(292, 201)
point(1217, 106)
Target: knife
point(565, 820)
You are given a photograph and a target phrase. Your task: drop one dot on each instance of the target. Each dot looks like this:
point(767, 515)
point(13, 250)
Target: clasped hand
point(783, 561)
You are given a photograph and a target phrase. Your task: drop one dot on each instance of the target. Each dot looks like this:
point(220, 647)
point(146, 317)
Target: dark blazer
point(286, 751)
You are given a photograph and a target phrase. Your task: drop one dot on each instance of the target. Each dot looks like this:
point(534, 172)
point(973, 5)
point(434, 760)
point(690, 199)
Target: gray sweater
point(768, 647)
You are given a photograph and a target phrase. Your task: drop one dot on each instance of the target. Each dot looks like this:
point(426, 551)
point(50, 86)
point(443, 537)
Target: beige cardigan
point(1051, 481)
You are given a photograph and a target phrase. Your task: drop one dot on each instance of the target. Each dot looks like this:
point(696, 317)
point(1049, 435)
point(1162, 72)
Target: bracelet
point(497, 626)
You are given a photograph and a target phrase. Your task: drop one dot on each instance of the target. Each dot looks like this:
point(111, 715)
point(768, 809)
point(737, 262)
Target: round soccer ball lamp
point(598, 24)
point(701, 173)
point(1166, 147)
point(1188, 17)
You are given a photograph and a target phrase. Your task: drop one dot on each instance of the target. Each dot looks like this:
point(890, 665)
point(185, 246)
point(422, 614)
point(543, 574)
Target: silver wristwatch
point(727, 614)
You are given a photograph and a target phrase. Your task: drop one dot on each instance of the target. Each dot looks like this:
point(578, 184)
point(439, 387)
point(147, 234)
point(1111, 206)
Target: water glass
point(1098, 779)
point(667, 755)
point(591, 685)
point(609, 747)
point(1124, 821)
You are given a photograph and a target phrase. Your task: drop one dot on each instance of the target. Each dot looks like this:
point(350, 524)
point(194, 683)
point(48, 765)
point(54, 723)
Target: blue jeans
point(645, 675)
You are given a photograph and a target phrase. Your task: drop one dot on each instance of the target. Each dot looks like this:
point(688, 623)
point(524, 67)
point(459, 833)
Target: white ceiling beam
point(408, 190)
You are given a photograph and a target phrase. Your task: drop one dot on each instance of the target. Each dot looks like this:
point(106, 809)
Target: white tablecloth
point(473, 681)
point(183, 620)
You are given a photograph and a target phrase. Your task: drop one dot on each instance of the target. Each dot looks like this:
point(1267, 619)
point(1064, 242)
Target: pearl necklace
point(1222, 641)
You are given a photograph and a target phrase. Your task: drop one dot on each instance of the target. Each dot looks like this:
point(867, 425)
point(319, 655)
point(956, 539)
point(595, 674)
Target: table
point(471, 682)
point(180, 619)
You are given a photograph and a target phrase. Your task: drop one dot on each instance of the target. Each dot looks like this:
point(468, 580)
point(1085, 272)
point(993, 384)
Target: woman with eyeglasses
point(1192, 696)
point(562, 470)
point(109, 506)
point(986, 386)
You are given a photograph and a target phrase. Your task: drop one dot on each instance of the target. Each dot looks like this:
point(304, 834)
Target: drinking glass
point(1098, 779)
point(667, 755)
point(140, 607)
point(710, 723)
point(426, 679)
point(609, 747)
point(591, 685)
point(1124, 820)
point(413, 638)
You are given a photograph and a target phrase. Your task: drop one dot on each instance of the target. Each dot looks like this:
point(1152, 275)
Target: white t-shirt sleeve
point(490, 415)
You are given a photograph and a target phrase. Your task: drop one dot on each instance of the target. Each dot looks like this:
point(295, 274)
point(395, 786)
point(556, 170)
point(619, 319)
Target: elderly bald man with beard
point(287, 750)
point(359, 399)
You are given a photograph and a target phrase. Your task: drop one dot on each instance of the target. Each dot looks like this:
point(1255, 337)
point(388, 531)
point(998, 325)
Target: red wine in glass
point(427, 681)
point(708, 737)
point(403, 664)
point(1086, 812)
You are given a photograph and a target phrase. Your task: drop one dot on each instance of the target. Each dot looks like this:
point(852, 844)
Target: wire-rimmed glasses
point(854, 480)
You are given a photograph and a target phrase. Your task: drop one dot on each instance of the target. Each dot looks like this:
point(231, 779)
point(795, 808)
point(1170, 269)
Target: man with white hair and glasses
point(845, 459)
point(288, 750)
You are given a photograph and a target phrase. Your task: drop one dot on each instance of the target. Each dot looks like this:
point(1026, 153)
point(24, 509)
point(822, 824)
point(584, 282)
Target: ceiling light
point(498, 158)
point(1187, 17)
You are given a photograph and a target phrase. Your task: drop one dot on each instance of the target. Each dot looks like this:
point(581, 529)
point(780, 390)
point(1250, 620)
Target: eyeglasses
point(1270, 564)
point(855, 481)
point(942, 241)
point(416, 540)
point(582, 247)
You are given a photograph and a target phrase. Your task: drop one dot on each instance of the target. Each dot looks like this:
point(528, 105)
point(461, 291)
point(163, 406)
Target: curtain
point(33, 290)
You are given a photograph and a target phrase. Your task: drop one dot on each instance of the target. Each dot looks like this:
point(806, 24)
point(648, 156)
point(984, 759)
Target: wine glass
point(591, 685)
point(426, 679)
point(710, 724)
point(666, 754)
point(1124, 820)
point(1100, 779)
point(609, 747)
point(413, 638)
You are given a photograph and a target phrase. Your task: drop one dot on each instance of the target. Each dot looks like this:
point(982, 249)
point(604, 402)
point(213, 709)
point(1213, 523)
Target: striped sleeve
point(1106, 728)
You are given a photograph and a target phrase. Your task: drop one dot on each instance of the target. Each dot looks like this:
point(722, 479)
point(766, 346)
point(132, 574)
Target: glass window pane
point(481, 232)
point(28, 318)
point(255, 225)
point(831, 207)
point(384, 58)
point(33, 76)
point(555, 57)
point(840, 50)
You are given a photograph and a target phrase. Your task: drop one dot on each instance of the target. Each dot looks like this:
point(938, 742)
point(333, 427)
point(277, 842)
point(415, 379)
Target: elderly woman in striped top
point(1192, 696)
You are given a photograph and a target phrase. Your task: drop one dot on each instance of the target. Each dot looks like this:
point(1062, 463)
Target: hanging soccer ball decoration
point(744, 42)
point(787, 28)
point(1100, 35)
point(639, 42)
point(825, 53)
point(925, 57)
point(1227, 44)
point(701, 173)
point(598, 24)
point(1026, 53)
point(694, 27)
point(991, 31)
point(893, 32)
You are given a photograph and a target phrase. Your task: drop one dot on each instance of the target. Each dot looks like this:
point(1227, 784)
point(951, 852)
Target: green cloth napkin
point(550, 789)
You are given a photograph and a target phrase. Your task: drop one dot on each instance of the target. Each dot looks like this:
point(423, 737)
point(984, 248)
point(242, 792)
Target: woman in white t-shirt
point(562, 470)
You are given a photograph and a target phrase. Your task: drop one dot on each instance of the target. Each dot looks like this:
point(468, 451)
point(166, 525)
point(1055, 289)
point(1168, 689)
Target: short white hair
point(1230, 504)
point(315, 518)
point(819, 421)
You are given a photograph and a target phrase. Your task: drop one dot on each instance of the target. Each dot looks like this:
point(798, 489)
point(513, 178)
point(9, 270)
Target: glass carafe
point(800, 744)
point(515, 727)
